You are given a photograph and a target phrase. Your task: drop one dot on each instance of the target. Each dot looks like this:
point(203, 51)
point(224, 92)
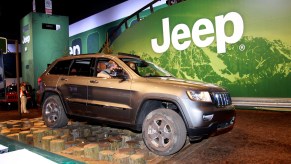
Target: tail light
point(40, 84)
point(39, 81)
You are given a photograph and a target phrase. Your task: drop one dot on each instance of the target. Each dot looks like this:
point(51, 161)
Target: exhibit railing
point(115, 32)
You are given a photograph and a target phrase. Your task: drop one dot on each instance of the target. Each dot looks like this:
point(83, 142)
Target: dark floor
point(11, 113)
point(259, 136)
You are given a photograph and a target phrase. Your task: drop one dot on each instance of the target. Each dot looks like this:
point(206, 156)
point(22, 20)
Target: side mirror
point(121, 74)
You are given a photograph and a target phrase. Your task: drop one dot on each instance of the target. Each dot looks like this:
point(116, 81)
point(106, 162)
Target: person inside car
point(109, 71)
point(131, 65)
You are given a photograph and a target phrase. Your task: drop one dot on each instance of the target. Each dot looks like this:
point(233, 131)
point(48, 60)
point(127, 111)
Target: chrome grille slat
point(221, 99)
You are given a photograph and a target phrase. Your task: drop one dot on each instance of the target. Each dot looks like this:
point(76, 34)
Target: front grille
point(221, 99)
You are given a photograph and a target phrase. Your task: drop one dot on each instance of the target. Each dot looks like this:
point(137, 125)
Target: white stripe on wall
point(109, 15)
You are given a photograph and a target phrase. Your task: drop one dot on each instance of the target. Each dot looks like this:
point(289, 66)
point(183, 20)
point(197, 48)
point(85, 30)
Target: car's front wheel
point(164, 131)
point(53, 112)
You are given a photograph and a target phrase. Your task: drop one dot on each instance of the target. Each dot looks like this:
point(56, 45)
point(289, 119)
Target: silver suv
point(139, 95)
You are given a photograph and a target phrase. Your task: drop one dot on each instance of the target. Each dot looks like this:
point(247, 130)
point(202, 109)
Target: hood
point(191, 84)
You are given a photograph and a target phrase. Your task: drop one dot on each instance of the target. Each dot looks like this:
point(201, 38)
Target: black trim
point(213, 129)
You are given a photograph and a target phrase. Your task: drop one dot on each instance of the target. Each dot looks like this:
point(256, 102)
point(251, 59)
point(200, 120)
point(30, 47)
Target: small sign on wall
point(49, 26)
point(48, 7)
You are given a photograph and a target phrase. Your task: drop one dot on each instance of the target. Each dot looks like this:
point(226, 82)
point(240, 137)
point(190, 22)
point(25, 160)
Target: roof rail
point(127, 54)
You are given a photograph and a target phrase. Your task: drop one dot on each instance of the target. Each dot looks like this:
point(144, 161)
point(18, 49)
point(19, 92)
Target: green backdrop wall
point(256, 33)
point(242, 45)
point(42, 43)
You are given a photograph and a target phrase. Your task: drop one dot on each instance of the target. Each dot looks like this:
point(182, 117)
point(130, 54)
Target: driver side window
point(107, 68)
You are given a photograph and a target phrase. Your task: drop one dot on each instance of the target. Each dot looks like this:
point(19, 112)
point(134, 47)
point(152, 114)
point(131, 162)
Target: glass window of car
point(61, 68)
point(82, 67)
point(102, 64)
point(11, 88)
point(147, 69)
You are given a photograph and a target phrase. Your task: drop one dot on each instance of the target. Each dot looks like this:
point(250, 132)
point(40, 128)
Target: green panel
point(44, 46)
point(27, 49)
point(257, 65)
point(86, 38)
point(93, 42)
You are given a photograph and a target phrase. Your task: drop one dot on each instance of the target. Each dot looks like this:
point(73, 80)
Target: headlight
point(199, 96)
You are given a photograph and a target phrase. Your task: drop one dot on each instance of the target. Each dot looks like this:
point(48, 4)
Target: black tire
point(164, 132)
point(53, 112)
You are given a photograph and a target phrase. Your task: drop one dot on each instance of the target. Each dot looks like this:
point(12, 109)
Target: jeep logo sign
point(26, 39)
point(76, 47)
point(182, 32)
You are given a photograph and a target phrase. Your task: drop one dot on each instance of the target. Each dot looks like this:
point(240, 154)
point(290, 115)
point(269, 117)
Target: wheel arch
point(151, 104)
point(48, 93)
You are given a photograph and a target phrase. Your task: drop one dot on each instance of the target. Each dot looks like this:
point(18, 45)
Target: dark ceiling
point(12, 11)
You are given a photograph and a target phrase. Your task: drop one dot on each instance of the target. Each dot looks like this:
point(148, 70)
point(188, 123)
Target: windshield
point(11, 88)
point(146, 68)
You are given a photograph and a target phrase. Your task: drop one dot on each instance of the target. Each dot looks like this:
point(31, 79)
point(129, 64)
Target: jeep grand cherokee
point(142, 96)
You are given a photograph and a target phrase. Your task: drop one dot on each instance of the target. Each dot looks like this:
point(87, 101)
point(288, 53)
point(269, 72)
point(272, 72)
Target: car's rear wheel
point(164, 131)
point(53, 112)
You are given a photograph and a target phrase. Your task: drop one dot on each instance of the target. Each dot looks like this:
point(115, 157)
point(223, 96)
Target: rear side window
point(61, 68)
point(82, 67)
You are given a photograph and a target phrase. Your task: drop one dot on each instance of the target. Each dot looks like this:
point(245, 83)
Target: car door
point(109, 98)
point(73, 86)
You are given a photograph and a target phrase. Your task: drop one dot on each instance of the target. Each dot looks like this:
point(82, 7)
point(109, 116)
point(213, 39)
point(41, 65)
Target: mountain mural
point(265, 64)
point(256, 65)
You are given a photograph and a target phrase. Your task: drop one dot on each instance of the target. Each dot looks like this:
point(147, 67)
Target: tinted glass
point(11, 88)
point(61, 68)
point(82, 67)
point(145, 68)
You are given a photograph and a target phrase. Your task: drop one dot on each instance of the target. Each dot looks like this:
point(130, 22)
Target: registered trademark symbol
point(242, 47)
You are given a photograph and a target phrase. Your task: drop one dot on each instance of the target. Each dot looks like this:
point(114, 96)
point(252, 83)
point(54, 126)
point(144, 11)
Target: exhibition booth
point(242, 45)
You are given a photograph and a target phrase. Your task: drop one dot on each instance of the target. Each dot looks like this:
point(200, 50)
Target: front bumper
point(220, 124)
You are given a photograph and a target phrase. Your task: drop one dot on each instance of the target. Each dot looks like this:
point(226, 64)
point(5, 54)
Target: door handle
point(94, 81)
point(64, 79)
